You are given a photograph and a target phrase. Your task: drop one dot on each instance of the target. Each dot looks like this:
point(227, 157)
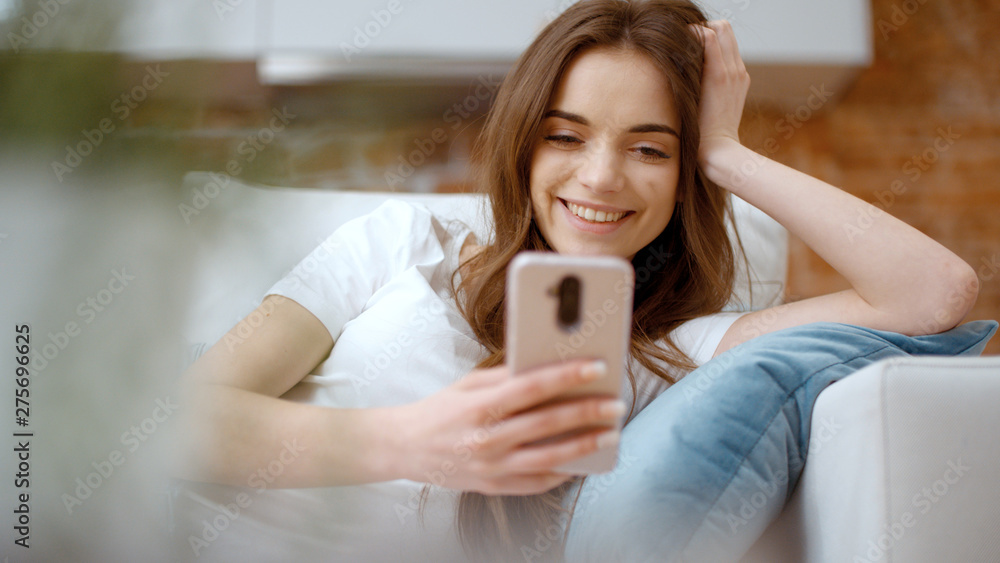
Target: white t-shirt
point(381, 285)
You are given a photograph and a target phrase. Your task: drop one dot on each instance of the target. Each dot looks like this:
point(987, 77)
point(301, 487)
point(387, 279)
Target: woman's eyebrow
point(644, 128)
point(654, 128)
point(567, 116)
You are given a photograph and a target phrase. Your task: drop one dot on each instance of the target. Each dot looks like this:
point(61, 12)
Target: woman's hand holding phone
point(553, 410)
point(482, 433)
point(564, 307)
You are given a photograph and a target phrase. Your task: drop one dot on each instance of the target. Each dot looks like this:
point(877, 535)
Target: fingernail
point(594, 370)
point(612, 409)
point(608, 439)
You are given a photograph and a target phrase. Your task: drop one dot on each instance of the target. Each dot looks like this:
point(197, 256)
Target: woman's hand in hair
point(477, 434)
point(724, 86)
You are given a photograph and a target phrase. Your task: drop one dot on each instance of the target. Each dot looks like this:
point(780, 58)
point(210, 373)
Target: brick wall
point(918, 135)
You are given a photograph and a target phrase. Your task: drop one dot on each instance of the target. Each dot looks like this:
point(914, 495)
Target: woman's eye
point(649, 154)
point(563, 141)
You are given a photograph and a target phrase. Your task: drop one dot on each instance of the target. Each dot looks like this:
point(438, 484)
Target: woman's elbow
point(958, 288)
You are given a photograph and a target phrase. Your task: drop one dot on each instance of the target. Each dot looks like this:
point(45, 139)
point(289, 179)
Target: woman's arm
point(235, 426)
point(469, 436)
point(901, 280)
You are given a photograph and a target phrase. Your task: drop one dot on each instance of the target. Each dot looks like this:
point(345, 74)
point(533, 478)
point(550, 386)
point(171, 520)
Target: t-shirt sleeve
point(698, 338)
point(337, 279)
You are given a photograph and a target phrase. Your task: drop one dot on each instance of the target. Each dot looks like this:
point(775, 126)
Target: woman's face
point(604, 168)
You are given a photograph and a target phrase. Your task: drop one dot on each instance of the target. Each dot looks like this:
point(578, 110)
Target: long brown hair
point(686, 272)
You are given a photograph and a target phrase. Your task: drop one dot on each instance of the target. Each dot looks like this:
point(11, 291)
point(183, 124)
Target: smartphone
point(563, 307)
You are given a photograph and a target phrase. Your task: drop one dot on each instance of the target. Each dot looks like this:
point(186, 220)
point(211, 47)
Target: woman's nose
point(600, 169)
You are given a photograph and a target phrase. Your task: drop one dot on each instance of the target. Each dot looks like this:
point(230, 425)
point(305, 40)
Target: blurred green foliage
point(56, 70)
point(51, 96)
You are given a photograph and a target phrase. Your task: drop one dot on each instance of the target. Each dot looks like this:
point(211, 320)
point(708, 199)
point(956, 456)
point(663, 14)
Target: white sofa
point(904, 463)
point(903, 466)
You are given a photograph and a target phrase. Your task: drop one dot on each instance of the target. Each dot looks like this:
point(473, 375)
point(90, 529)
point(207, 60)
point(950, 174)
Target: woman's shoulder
point(404, 234)
point(408, 215)
point(400, 214)
point(397, 221)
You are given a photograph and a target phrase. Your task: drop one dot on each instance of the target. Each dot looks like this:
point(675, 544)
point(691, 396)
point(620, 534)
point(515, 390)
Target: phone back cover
point(602, 331)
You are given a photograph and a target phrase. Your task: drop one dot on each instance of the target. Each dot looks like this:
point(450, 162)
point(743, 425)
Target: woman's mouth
point(592, 215)
point(586, 219)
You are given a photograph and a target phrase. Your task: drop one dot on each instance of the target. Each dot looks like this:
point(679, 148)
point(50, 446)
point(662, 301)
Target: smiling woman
point(601, 114)
point(614, 133)
point(604, 175)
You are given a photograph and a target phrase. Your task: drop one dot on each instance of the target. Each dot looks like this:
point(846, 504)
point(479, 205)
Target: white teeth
point(593, 215)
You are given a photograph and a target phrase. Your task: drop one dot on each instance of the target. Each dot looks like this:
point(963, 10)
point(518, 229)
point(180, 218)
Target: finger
point(699, 31)
point(547, 457)
point(538, 385)
point(527, 484)
point(480, 378)
point(727, 45)
point(716, 47)
point(714, 62)
point(554, 420)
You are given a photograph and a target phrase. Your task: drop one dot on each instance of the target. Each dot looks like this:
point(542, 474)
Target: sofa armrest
point(903, 465)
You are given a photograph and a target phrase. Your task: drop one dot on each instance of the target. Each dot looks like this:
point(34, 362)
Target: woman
point(615, 133)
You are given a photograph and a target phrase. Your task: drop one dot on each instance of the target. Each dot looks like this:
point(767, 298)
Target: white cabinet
point(793, 47)
point(773, 31)
point(411, 28)
point(309, 40)
point(178, 29)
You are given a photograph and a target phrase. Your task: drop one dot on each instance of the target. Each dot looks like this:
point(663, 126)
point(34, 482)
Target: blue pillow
point(707, 465)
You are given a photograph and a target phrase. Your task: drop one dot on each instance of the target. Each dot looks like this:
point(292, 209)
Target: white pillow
point(766, 244)
point(251, 236)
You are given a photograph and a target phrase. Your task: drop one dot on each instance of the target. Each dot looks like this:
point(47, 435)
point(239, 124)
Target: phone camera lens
point(569, 302)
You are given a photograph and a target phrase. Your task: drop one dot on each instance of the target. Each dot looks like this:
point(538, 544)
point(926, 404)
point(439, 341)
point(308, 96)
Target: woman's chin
point(580, 248)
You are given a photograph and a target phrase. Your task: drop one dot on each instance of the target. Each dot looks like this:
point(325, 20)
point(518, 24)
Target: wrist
point(729, 164)
point(383, 445)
